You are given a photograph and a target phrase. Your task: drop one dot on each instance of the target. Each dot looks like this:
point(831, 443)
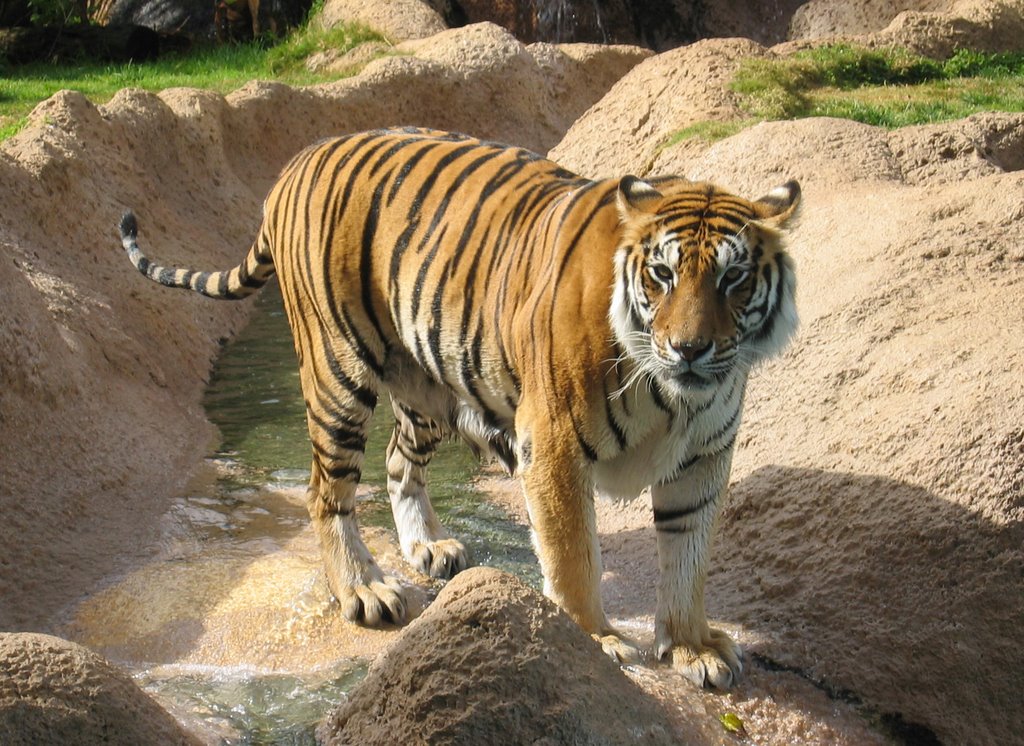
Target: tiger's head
point(702, 283)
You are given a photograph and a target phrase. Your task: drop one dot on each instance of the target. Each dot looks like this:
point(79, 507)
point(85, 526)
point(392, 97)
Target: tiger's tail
point(236, 283)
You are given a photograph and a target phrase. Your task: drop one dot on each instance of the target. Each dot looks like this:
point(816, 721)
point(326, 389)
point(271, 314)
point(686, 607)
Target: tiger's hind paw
point(443, 558)
point(374, 604)
point(618, 648)
point(718, 662)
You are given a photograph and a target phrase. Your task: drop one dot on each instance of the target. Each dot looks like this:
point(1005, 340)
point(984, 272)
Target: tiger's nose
point(691, 349)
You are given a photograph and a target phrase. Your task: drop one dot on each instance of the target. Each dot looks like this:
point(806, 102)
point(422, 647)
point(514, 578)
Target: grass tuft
point(708, 131)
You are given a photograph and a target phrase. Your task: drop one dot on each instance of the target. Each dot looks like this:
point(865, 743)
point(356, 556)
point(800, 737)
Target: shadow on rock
point(882, 589)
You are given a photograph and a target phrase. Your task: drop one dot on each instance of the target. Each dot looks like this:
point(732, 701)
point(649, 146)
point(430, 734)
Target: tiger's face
point(702, 284)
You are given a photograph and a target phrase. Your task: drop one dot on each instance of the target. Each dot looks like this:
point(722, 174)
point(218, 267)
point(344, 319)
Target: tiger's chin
point(690, 385)
point(692, 380)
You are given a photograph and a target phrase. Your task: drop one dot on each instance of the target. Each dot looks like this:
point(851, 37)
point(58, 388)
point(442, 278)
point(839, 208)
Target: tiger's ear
point(635, 197)
point(779, 205)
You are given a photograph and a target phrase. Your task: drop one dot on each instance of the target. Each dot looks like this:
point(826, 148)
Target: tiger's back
point(426, 246)
point(587, 333)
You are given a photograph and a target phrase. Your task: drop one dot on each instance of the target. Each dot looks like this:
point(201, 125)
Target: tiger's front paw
point(374, 603)
point(439, 559)
point(717, 661)
point(618, 648)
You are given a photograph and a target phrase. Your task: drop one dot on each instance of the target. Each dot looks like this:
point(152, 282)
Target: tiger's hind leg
point(425, 543)
point(338, 414)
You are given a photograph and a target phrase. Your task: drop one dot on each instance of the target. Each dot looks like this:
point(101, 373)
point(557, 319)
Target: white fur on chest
point(656, 456)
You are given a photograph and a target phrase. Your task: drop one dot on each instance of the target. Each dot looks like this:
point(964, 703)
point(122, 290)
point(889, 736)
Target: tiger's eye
point(733, 273)
point(662, 272)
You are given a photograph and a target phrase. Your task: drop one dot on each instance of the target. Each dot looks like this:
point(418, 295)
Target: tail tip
point(129, 226)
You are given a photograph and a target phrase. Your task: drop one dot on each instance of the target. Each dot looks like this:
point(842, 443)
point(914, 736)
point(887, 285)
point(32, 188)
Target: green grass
point(217, 68)
point(884, 87)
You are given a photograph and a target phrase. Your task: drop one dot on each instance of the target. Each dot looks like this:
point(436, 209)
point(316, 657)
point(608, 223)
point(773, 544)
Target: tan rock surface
point(56, 692)
point(397, 20)
point(492, 661)
point(821, 19)
point(930, 27)
point(656, 98)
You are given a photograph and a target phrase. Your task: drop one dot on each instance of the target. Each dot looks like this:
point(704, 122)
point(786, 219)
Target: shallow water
point(231, 624)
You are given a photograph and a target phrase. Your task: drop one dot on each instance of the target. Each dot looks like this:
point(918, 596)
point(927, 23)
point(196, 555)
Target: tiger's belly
point(488, 431)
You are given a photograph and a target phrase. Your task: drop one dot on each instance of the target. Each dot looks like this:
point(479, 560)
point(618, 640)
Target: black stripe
point(725, 428)
point(366, 265)
point(659, 402)
point(771, 301)
point(471, 372)
point(663, 516)
point(336, 204)
point(362, 349)
point(686, 464)
point(423, 463)
point(588, 450)
point(707, 405)
point(341, 433)
point(620, 436)
point(433, 322)
point(424, 448)
point(366, 397)
point(418, 420)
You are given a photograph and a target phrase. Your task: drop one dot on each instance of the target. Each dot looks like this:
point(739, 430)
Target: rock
point(54, 691)
point(492, 661)
point(981, 25)
point(50, 44)
point(822, 19)
point(397, 20)
point(935, 28)
point(189, 16)
point(658, 97)
point(205, 19)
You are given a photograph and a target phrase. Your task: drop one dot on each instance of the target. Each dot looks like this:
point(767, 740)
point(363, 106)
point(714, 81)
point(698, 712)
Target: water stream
point(231, 625)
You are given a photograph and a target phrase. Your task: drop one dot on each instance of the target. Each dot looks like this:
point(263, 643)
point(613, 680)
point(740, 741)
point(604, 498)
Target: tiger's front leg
point(563, 522)
point(685, 512)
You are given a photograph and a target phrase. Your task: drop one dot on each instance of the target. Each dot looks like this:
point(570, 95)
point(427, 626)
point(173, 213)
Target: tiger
point(594, 336)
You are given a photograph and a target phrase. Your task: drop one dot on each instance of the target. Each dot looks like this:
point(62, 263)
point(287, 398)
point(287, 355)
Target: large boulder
point(931, 27)
point(628, 127)
point(822, 19)
point(492, 661)
point(397, 20)
point(54, 691)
